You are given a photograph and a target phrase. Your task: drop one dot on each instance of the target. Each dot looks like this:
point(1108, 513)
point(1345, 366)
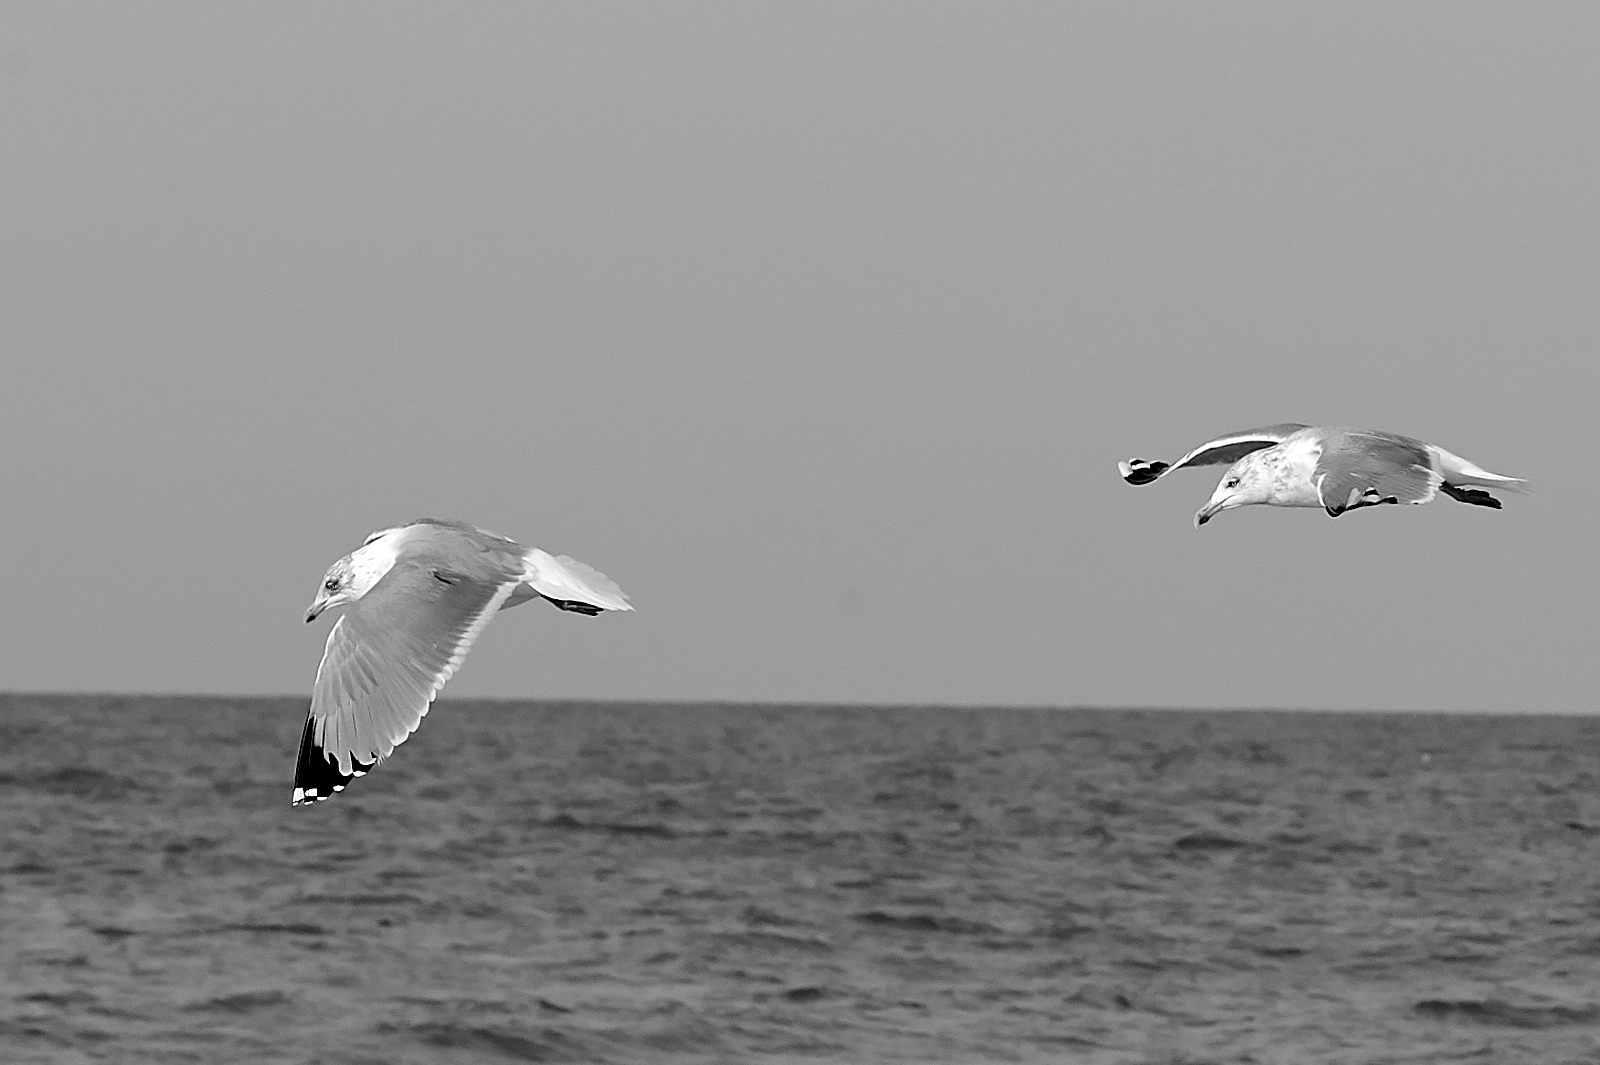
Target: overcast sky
point(819, 327)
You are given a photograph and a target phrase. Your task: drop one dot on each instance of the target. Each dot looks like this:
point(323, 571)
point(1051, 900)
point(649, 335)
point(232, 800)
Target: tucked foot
point(1476, 496)
point(575, 606)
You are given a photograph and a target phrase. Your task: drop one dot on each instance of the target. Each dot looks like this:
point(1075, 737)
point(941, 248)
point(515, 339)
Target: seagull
point(419, 594)
point(1337, 469)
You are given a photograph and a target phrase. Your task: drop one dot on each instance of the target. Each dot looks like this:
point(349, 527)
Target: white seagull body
point(420, 594)
point(1293, 465)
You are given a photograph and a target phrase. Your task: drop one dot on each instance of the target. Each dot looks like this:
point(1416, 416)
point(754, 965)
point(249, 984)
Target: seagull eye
point(330, 584)
point(1233, 482)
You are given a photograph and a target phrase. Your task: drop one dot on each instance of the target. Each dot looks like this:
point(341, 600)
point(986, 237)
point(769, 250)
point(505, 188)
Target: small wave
point(926, 922)
point(647, 828)
point(858, 882)
point(1492, 1011)
point(396, 899)
point(756, 915)
point(548, 1044)
point(71, 961)
point(243, 1002)
point(459, 1005)
point(113, 932)
point(1070, 1042)
point(1270, 950)
point(763, 939)
point(1462, 957)
point(15, 1033)
point(117, 1012)
point(809, 838)
point(72, 780)
point(289, 928)
point(61, 998)
point(1062, 929)
point(1350, 846)
point(1208, 841)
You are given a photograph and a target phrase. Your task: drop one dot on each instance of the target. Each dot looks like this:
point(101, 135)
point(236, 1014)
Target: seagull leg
point(1363, 501)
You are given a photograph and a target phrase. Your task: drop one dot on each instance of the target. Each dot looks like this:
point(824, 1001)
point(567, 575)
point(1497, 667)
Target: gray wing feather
point(389, 655)
point(1363, 469)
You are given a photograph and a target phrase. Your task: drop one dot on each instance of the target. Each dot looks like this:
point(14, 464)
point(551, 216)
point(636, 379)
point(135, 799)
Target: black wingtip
point(1138, 471)
point(316, 775)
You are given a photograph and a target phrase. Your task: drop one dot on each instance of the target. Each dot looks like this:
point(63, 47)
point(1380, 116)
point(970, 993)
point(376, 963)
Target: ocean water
point(648, 883)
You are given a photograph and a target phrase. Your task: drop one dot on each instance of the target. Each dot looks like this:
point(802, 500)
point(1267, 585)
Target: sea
point(630, 883)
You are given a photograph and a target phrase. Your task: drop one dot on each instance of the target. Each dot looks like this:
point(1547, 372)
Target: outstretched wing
point(1223, 451)
point(1364, 469)
point(385, 660)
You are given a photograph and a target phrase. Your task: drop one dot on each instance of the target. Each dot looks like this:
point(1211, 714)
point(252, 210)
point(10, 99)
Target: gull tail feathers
point(571, 585)
point(1458, 471)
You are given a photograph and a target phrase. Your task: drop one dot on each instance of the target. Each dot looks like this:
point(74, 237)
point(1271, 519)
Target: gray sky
point(819, 327)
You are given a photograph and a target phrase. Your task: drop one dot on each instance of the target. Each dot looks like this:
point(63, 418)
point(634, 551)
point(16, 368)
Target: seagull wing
point(1364, 469)
point(568, 583)
point(1223, 451)
point(386, 659)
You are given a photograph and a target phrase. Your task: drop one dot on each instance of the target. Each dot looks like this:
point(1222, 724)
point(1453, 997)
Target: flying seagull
point(1294, 465)
point(419, 595)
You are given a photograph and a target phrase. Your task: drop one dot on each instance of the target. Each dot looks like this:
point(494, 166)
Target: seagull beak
point(1209, 511)
point(316, 608)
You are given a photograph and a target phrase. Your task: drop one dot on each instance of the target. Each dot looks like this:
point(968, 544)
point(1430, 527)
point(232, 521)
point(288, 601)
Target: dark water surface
point(621, 883)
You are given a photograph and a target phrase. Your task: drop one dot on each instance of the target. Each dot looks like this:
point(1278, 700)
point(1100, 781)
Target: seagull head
point(338, 587)
point(1247, 481)
point(353, 576)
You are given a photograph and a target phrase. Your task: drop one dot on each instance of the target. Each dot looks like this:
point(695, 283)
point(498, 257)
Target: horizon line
point(809, 704)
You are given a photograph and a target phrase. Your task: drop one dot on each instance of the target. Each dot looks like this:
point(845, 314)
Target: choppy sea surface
point(720, 883)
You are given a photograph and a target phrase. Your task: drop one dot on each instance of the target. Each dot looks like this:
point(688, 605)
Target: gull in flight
point(419, 594)
point(1293, 465)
